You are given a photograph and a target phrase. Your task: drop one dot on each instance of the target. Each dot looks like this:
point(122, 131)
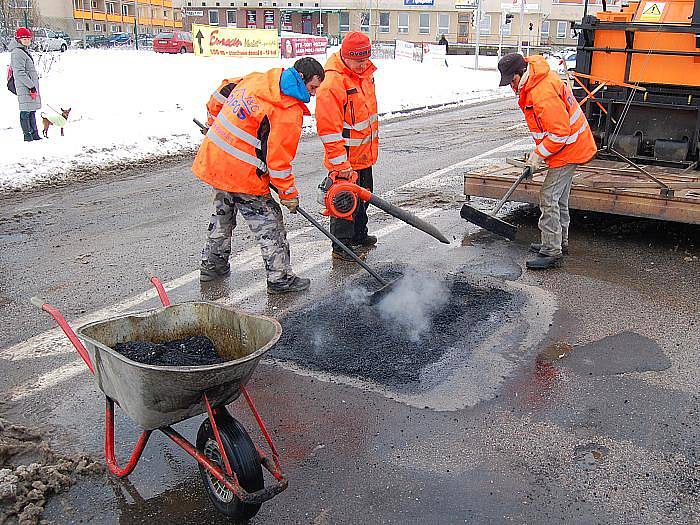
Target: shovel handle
point(525, 174)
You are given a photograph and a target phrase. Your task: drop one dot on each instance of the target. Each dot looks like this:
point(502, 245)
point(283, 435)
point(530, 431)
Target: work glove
point(527, 172)
point(290, 204)
point(33, 93)
point(204, 130)
point(349, 175)
point(534, 161)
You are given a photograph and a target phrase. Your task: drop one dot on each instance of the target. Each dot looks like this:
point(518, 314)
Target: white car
point(47, 40)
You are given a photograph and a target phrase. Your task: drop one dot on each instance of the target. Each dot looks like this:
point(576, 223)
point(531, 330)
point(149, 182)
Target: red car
point(173, 42)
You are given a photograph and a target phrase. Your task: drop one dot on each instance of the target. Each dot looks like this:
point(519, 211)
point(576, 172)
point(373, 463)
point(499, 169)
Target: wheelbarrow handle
point(63, 324)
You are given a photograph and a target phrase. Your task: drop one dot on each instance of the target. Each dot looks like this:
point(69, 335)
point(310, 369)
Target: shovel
point(489, 221)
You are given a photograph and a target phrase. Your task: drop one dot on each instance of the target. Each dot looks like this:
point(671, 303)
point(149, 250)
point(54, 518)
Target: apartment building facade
point(95, 17)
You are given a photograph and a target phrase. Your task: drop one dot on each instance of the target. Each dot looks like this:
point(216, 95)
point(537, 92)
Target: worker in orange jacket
point(251, 142)
point(347, 124)
point(563, 140)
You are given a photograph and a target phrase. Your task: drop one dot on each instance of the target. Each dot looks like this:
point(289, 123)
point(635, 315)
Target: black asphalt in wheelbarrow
point(156, 397)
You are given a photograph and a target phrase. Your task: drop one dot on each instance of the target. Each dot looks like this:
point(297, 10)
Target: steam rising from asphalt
point(411, 303)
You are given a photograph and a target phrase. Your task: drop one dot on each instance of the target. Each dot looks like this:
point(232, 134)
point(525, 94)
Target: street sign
point(466, 4)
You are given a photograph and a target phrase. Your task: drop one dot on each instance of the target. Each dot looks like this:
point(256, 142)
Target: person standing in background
point(26, 82)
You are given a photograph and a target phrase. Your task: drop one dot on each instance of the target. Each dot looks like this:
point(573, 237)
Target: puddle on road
point(617, 354)
point(340, 337)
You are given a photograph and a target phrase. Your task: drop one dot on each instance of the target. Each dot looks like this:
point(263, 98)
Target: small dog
point(56, 120)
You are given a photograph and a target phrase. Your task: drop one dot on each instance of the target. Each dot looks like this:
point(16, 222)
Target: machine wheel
point(63, 48)
point(244, 460)
point(183, 50)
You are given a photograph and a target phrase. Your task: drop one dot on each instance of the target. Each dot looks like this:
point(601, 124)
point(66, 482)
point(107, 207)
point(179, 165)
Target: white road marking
point(53, 342)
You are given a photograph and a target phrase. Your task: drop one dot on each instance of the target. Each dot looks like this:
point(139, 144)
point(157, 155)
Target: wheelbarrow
point(157, 397)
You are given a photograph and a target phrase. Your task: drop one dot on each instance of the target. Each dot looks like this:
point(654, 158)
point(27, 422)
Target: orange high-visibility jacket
point(346, 117)
point(218, 98)
point(254, 139)
point(555, 119)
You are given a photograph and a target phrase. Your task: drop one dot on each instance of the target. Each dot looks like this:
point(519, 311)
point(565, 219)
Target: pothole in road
point(395, 345)
point(588, 456)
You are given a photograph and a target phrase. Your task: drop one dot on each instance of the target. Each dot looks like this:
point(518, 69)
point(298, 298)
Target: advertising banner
point(418, 2)
point(299, 46)
point(404, 50)
point(234, 42)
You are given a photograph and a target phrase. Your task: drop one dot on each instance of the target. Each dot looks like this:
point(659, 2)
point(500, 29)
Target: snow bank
point(131, 106)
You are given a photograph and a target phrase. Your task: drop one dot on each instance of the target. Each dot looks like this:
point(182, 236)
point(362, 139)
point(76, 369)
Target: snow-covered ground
point(133, 106)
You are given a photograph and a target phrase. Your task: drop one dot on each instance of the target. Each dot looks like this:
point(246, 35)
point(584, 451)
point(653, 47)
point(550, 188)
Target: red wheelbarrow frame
point(226, 476)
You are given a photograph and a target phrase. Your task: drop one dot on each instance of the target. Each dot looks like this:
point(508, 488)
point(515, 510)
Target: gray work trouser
point(264, 218)
point(554, 205)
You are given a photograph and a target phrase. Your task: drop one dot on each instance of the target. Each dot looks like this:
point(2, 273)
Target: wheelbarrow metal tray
point(157, 396)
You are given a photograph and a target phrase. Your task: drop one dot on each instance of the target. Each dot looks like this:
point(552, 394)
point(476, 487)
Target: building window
point(561, 29)
point(403, 22)
point(424, 23)
point(93, 3)
point(79, 26)
point(115, 28)
point(545, 28)
point(125, 10)
point(251, 19)
point(506, 28)
point(485, 25)
point(384, 22)
point(165, 13)
point(213, 17)
point(269, 19)
point(443, 23)
point(344, 22)
point(231, 18)
point(98, 28)
point(364, 21)
point(287, 21)
point(110, 8)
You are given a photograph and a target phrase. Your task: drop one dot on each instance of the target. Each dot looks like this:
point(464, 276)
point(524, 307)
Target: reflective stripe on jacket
point(555, 119)
point(218, 98)
point(346, 117)
point(253, 140)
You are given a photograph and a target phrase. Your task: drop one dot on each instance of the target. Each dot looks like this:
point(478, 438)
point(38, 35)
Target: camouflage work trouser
point(264, 218)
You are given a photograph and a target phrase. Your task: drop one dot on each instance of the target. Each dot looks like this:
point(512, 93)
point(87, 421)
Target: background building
point(546, 22)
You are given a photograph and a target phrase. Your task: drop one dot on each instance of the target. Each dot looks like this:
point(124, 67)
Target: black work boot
point(535, 247)
point(295, 284)
point(32, 125)
point(544, 262)
point(341, 255)
point(208, 272)
point(26, 127)
point(369, 240)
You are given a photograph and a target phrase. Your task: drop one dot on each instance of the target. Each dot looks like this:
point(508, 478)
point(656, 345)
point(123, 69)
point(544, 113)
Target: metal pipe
point(643, 51)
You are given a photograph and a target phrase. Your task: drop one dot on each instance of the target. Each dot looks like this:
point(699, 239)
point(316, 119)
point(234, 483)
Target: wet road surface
point(561, 397)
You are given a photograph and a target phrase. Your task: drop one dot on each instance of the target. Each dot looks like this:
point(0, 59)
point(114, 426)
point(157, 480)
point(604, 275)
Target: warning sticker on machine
point(652, 11)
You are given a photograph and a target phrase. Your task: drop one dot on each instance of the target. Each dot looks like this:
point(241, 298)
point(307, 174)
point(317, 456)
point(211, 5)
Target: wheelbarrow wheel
point(244, 461)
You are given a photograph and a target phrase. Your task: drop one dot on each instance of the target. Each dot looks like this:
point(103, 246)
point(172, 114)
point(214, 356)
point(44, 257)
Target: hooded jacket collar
point(537, 70)
point(269, 90)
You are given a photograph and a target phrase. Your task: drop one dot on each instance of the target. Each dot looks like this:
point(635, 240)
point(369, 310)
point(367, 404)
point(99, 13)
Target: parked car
point(119, 39)
point(96, 41)
point(65, 36)
point(48, 40)
point(146, 40)
point(173, 42)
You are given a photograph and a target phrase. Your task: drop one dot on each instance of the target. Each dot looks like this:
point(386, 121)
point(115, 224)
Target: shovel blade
point(488, 222)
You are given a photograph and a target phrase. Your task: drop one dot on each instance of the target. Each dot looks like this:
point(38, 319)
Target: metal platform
point(604, 186)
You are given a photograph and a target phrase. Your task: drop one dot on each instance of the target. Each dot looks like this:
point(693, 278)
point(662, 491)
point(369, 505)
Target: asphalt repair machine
point(637, 78)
